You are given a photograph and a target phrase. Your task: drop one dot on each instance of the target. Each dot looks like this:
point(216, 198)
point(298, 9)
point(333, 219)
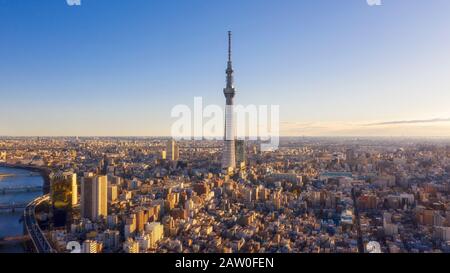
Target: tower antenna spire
point(229, 46)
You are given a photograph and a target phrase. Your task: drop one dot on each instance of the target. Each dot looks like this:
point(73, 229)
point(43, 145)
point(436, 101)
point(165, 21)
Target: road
point(38, 238)
point(357, 223)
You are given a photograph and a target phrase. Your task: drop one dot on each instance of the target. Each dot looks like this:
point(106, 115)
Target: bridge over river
point(21, 189)
point(13, 240)
point(12, 206)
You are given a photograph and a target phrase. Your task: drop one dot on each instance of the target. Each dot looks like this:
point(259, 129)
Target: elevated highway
point(40, 242)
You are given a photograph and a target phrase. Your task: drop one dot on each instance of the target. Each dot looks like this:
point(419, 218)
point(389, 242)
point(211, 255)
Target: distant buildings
point(112, 193)
point(89, 246)
point(347, 217)
point(3, 156)
point(442, 233)
point(94, 197)
point(241, 156)
point(131, 246)
point(172, 152)
point(155, 230)
point(390, 229)
point(297, 199)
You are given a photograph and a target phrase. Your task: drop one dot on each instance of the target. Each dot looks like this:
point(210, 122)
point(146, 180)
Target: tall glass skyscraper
point(64, 196)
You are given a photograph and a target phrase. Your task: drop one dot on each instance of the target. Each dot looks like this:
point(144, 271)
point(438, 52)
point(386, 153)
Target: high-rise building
point(111, 239)
point(140, 220)
point(130, 225)
point(64, 195)
point(103, 166)
point(172, 152)
point(94, 197)
point(241, 156)
point(114, 180)
point(87, 184)
point(229, 156)
point(89, 246)
point(350, 155)
point(156, 232)
point(64, 188)
point(201, 188)
point(112, 193)
point(131, 246)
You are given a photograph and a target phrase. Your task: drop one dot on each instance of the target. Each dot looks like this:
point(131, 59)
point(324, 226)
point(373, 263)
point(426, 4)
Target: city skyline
point(322, 196)
point(224, 135)
point(340, 69)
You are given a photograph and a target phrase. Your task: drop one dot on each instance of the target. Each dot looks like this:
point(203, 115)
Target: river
point(10, 224)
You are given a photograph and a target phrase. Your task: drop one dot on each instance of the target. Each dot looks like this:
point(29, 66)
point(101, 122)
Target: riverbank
point(43, 172)
point(11, 222)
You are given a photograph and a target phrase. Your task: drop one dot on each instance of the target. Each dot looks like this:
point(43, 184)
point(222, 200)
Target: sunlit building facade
point(94, 197)
point(172, 152)
point(63, 195)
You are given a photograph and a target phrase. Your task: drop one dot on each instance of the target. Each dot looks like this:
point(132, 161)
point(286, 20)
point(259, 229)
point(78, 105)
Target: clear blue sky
point(115, 67)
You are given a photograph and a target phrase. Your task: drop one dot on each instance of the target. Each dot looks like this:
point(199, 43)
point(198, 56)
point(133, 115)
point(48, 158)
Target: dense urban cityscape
point(312, 195)
point(341, 143)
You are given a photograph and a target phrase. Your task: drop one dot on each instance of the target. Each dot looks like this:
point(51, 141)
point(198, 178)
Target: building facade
point(94, 197)
point(172, 152)
point(63, 196)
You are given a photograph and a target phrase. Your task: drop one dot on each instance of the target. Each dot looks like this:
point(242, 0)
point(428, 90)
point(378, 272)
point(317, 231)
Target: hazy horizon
point(168, 137)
